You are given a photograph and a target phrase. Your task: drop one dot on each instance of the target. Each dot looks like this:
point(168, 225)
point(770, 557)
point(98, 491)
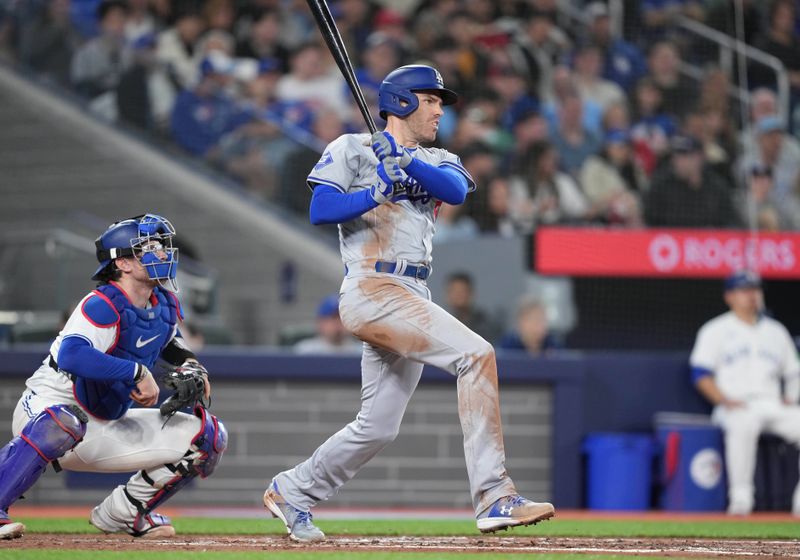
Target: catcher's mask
point(148, 238)
point(396, 92)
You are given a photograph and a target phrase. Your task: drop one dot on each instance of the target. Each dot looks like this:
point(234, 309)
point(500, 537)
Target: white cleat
point(299, 524)
point(12, 530)
point(513, 511)
point(151, 526)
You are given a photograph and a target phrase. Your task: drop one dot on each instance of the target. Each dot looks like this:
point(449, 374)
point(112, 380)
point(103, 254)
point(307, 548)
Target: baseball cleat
point(513, 511)
point(740, 508)
point(299, 524)
point(151, 526)
point(11, 529)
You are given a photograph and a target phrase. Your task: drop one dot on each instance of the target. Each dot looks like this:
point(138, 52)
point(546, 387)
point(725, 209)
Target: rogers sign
point(660, 252)
point(712, 253)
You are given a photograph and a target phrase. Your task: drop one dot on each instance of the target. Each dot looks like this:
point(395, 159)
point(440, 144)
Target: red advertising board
point(665, 252)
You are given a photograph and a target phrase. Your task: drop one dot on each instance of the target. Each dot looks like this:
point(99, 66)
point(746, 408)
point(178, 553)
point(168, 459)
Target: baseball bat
point(329, 31)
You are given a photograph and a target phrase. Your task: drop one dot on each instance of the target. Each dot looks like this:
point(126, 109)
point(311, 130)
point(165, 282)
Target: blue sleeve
point(330, 206)
point(78, 357)
point(444, 183)
point(698, 373)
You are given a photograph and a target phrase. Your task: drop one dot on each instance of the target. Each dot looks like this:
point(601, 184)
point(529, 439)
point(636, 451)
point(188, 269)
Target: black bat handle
point(329, 31)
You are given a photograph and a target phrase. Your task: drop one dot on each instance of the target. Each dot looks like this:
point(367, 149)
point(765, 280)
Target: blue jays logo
point(325, 160)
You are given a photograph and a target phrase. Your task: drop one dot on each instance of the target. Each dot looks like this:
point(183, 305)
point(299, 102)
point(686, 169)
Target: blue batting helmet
point(148, 238)
point(399, 87)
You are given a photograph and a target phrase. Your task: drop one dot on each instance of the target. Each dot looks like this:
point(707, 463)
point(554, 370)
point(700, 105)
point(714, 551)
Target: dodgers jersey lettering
point(398, 230)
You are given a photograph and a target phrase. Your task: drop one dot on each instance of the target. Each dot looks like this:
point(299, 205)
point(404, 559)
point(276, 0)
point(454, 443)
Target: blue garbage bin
point(619, 471)
point(692, 467)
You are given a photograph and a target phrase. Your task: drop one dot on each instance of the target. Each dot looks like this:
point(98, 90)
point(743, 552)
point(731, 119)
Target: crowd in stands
point(560, 120)
point(530, 331)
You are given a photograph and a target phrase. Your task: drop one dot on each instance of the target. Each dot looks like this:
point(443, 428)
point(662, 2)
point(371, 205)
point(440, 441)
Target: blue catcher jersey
point(141, 336)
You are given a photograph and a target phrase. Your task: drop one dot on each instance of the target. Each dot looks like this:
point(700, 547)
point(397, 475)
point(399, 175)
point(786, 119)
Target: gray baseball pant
point(402, 330)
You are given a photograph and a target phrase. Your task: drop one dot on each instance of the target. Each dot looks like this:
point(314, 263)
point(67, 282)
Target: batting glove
point(389, 174)
point(384, 145)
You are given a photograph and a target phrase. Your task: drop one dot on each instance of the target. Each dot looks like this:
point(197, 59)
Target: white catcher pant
point(134, 442)
point(402, 330)
point(742, 428)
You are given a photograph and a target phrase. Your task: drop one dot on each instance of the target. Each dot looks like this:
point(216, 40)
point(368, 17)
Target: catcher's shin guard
point(46, 437)
point(200, 460)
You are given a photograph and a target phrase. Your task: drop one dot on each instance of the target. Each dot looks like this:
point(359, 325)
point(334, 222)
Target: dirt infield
point(700, 548)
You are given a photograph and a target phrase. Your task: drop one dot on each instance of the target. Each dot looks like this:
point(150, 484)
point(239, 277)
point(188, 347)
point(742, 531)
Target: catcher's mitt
point(188, 382)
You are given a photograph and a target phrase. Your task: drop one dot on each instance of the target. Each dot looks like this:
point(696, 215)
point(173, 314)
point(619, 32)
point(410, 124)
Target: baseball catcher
point(75, 412)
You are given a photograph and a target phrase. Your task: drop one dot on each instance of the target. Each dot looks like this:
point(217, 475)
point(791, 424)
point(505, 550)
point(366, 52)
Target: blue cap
point(216, 63)
point(268, 64)
point(329, 306)
point(617, 136)
point(523, 108)
point(742, 279)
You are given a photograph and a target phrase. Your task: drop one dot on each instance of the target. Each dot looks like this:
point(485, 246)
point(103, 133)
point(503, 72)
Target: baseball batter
point(76, 410)
point(738, 362)
point(384, 192)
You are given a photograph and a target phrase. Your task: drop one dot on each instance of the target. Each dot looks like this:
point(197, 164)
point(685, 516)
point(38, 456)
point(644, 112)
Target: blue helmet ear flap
point(402, 103)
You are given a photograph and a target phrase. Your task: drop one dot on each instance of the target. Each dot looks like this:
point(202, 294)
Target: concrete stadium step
point(56, 174)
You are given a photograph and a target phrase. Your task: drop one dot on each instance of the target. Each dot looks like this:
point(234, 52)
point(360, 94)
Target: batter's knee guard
point(46, 437)
point(200, 460)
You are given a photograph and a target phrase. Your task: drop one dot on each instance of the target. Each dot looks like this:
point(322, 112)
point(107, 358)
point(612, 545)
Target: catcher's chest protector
point(142, 335)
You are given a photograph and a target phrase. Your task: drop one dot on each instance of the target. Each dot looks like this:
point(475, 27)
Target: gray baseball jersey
point(403, 234)
point(402, 329)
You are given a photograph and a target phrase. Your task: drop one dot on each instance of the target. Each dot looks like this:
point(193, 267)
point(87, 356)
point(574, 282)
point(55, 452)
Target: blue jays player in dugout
point(384, 192)
point(76, 410)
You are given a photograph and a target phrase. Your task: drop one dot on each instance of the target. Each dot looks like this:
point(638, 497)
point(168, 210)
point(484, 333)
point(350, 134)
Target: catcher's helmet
point(142, 237)
point(399, 86)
